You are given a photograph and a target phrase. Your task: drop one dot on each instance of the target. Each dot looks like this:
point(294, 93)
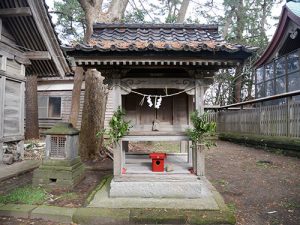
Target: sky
point(275, 12)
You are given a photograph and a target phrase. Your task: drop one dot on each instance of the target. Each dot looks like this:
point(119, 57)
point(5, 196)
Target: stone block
point(8, 159)
point(16, 210)
point(53, 213)
point(159, 189)
point(59, 176)
point(99, 216)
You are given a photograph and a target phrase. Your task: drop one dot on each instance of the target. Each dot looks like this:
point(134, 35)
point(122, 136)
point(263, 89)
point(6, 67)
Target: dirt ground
point(263, 188)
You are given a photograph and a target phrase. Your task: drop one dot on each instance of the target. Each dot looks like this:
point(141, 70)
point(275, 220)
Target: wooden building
point(143, 62)
point(278, 69)
point(29, 48)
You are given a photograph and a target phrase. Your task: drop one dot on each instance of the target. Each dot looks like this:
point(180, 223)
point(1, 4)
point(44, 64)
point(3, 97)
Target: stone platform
point(209, 199)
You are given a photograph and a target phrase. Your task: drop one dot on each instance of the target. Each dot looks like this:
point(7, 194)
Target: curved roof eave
point(285, 16)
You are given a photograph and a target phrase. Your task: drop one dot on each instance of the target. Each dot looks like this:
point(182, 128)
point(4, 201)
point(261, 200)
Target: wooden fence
point(274, 120)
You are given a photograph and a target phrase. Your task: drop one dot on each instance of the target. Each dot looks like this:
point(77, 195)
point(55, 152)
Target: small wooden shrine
point(158, 73)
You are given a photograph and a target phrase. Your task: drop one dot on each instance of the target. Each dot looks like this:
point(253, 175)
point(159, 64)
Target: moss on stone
point(170, 216)
point(62, 129)
point(104, 181)
point(99, 216)
point(211, 217)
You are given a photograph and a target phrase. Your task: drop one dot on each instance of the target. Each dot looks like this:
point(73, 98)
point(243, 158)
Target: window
point(280, 76)
point(293, 71)
point(49, 107)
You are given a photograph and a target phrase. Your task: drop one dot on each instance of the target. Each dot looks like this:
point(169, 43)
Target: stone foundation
point(59, 173)
point(158, 189)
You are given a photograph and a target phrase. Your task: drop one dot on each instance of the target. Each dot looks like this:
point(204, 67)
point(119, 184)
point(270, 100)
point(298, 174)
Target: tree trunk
point(116, 10)
point(31, 107)
point(182, 11)
point(93, 114)
point(75, 105)
point(238, 79)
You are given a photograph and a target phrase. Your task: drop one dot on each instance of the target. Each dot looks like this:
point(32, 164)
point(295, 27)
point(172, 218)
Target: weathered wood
point(2, 91)
point(12, 108)
point(46, 31)
point(76, 92)
point(199, 96)
point(13, 53)
point(3, 63)
point(274, 120)
point(13, 12)
point(38, 55)
point(155, 138)
point(1, 28)
point(12, 138)
point(32, 130)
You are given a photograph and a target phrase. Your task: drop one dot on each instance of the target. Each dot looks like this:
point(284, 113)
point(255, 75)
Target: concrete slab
point(206, 202)
point(17, 210)
point(8, 171)
point(99, 216)
point(53, 213)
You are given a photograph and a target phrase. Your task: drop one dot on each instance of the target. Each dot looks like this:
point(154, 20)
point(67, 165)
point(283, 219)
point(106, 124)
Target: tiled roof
point(157, 37)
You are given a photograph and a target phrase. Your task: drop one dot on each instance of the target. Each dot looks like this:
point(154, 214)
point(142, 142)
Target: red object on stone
point(158, 161)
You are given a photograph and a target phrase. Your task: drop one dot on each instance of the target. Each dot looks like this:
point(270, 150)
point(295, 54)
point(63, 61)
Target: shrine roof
point(157, 37)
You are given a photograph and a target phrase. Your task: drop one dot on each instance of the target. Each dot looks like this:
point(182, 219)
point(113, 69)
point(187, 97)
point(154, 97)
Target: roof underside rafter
point(30, 24)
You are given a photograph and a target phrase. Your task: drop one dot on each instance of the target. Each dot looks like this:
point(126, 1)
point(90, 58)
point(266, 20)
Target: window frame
point(47, 108)
point(275, 77)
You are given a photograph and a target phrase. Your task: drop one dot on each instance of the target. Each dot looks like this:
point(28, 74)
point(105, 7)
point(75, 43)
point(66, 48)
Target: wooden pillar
point(31, 100)
point(2, 89)
point(117, 92)
point(199, 95)
point(289, 115)
point(76, 92)
point(183, 146)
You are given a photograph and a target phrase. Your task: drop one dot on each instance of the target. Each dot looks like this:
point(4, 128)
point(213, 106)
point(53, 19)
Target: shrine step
point(161, 189)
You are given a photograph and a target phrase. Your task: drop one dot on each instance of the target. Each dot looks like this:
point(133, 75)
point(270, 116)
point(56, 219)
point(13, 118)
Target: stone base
point(59, 173)
point(159, 189)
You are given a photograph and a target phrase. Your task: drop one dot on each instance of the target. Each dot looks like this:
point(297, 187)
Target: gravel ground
point(263, 188)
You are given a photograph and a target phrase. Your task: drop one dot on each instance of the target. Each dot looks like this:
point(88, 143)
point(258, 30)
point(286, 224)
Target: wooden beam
point(1, 28)
point(38, 55)
point(12, 12)
point(46, 31)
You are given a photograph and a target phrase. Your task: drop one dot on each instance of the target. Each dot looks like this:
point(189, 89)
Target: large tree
point(95, 91)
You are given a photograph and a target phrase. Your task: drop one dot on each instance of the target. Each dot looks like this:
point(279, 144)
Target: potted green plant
point(117, 128)
point(202, 131)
